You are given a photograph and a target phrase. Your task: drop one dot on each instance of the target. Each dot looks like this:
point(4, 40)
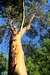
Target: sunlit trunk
point(16, 56)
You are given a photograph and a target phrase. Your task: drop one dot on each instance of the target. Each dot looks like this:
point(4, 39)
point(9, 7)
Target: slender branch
point(23, 15)
point(32, 17)
point(28, 26)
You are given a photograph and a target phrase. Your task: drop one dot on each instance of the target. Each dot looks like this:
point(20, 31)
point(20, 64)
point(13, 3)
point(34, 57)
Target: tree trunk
point(16, 55)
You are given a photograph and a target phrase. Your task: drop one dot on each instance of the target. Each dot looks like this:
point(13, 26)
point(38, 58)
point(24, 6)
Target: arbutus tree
point(16, 54)
point(14, 46)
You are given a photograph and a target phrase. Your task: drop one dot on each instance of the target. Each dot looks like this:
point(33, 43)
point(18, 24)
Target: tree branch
point(28, 26)
point(10, 25)
point(23, 15)
point(29, 14)
point(32, 17)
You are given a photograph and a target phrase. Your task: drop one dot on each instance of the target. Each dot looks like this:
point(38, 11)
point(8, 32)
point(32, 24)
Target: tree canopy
point(38, 61)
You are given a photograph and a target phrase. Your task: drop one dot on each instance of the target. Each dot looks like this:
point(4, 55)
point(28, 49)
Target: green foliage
point(48, 18)
point(3, 64)
point(38, 62)
point(14, 5)
point(47, 44)
point(32, 5)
